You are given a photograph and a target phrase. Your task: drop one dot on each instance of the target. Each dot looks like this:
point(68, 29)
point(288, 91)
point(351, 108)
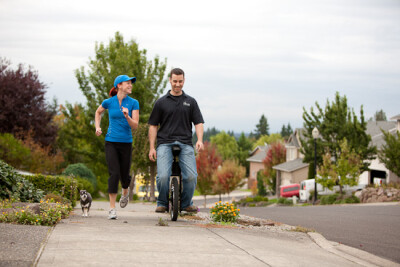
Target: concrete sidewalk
point(136, 239)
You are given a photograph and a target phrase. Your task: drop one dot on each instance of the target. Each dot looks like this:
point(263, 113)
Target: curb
point(352, 254)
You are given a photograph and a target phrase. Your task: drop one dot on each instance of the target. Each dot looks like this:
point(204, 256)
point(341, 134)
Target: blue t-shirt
point(119, 129)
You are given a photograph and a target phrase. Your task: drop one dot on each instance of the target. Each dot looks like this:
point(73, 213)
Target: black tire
point(174, 199)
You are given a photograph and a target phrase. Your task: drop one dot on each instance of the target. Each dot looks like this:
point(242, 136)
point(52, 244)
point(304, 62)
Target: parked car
point(290, 190)
point(308, 185)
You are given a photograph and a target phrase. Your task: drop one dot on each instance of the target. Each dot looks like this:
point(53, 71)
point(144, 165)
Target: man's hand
point(98, 131)
point(199, 146)
point(152, 154)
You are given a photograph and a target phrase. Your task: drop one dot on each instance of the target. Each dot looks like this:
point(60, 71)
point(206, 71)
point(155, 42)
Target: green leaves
point(336, 122)
point(390, 152)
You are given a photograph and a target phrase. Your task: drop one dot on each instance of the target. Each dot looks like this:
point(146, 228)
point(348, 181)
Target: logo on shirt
point(186, 104)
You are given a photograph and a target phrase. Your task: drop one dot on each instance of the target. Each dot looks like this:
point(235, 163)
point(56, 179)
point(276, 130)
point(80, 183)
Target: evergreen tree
point(380, 115)
point(244, 149)
point(286, 131)
point(262, 128)
point(336, 122)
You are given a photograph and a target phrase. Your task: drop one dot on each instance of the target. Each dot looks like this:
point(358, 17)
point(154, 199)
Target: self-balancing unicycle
point(175, 185)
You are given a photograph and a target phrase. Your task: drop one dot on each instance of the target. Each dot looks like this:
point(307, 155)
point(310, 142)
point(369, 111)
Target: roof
point(294, 138)
point(260, 156)
point(374, 128)
point(291, 166)
point(395, 118)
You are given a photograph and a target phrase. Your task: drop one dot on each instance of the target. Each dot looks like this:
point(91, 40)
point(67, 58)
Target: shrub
point(84, 184)
point(13, 151)
point(261, 191)
point(80, 170)
point(224, 212)
point(28, 155)
point(50, 214)
point(60, 185)
point(329, 199)
point(14, 186)
point(285, 201)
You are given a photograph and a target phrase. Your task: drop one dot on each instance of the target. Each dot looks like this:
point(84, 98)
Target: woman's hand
point(98, 131)
point(125, 111)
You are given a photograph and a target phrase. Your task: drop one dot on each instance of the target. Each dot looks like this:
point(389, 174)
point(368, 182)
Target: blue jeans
point(187, 162)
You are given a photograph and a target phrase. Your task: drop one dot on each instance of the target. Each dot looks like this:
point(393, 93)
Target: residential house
point(256, 159)
point(377, 169)
point(294, 170)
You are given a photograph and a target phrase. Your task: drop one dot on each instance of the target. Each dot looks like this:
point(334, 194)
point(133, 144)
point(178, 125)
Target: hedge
point(64, 186)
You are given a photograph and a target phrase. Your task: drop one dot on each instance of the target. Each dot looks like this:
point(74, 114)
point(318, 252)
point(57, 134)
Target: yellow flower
point(22, 211)
point(238, 209)
point(213, 213)
point(219, 202)
point(234, 214)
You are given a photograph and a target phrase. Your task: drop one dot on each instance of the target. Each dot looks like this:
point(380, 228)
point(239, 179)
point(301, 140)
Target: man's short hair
point(177, 71)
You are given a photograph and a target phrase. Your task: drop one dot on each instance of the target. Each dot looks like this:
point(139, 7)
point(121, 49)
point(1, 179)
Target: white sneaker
point(124, 200)
point(112, 214)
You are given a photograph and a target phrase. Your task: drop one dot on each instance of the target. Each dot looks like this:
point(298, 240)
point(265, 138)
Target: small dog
point(86, 202)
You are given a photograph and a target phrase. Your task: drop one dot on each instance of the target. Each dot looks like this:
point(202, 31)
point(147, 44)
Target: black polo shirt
point(175, 115)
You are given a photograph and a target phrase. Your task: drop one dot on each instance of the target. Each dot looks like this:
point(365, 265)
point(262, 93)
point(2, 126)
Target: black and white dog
point(86, 202)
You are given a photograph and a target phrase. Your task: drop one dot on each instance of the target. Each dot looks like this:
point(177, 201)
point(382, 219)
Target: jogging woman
point(123, 113)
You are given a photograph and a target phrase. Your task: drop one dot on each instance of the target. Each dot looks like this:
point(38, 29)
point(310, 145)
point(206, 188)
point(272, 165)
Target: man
point(174, 113)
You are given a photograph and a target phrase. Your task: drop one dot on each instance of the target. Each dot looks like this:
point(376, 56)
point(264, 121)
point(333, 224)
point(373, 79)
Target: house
point(294, 170)
point(256, 159)
point(376, 168)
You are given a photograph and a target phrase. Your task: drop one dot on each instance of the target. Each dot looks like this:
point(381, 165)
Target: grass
point(302, 229)
point(161, 222)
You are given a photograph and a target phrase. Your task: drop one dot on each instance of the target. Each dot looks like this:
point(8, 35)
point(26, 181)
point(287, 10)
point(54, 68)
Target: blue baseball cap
point(123, 78)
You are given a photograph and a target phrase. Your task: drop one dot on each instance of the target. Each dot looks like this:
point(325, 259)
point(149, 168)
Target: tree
point(345, 171)
point(276, 154)
point(390, 152)
point(207, 162)
point(244, 149)
point(268, 139)
point(380, 115)
point(336, 122)
point(286, 131)
point(261, 191)
point(262, 128)
point(228, 177)
point(207, 134)
point(226, 145)
point(22, 104)
point(110, 61)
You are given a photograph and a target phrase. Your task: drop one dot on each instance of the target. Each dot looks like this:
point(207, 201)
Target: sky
point(242, 59)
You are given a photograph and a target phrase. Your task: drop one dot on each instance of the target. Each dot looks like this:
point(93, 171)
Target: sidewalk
point(137, 239)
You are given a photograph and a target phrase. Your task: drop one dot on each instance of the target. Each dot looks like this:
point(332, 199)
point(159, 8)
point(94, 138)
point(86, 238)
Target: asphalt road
point(375, 229)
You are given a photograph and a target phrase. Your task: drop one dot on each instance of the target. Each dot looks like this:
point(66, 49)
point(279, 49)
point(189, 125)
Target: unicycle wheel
point(174, 199)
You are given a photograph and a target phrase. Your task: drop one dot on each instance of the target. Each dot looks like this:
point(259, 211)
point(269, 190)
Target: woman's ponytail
point(113, 92)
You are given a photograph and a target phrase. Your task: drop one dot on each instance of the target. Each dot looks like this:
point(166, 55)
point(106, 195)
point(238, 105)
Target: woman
point(123, 113)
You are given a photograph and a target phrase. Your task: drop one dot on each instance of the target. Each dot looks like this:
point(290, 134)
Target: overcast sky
point(242, 59)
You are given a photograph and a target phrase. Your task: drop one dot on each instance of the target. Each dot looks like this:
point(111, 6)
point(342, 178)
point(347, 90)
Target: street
point(373, 228)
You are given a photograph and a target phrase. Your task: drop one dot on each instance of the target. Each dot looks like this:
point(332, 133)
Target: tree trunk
point(152, 179)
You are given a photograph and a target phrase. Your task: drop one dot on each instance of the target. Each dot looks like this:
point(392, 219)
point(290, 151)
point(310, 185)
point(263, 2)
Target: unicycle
point(175, 185)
